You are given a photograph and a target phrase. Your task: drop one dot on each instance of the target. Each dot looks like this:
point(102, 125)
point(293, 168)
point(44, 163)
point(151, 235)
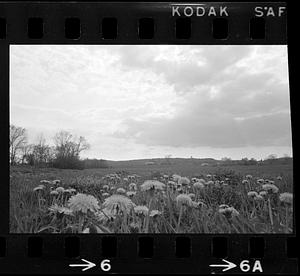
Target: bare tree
point(26, 150)
point(68, 149)
point(17, 139)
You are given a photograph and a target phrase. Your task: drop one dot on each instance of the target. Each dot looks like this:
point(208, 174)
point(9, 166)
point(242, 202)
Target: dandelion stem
point(179, 219)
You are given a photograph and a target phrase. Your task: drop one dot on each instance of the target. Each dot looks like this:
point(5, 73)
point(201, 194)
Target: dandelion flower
point(141, 210)
point(209, 176)
point(263, 193)
point(183, 199)
point(116, 203)
point(191, 195)
point(38, 188)
point(176, 177)
point(171, 183)
point(132, 186)
point(245, 181)
point(198, 185)
point(229, 212)
point(105, 194)
point(105, 187)
point(121, 191)
point(259, 198)
point(210, 182)
point(279, 178)
point(249, 176)
point(260, 181)
point(155, 213)
point(184, 181)
point(56, 181)
point(222, 206)
point(60, 189)
point(83, 203)
point(54, 193)
point(270, 188)
point(198, 204)
point(152, 185)
point(286, 198)
point(252, 194)
point(131, 193)
point(45, 182)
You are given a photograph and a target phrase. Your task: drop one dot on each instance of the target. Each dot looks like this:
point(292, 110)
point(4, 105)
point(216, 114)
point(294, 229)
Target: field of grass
point(135, 198)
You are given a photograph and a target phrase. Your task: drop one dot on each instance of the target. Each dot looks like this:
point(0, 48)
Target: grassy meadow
point(137, 198)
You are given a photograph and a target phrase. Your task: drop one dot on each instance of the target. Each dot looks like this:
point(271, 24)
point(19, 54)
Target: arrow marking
point(87, 265)
point(227, 266)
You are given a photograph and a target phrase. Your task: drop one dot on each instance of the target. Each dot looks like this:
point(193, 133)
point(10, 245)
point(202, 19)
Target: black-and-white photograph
point(150, 139)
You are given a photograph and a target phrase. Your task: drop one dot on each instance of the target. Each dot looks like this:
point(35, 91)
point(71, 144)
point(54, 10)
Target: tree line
point(63, 154)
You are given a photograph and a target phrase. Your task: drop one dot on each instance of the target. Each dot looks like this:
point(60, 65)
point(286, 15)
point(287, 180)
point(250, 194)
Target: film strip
point(46, 242)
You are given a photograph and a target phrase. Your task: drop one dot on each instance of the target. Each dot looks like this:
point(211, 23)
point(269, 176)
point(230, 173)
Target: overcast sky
point(134, 102)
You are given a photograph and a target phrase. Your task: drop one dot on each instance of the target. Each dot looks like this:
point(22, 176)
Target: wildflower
point(132, 186)
point(194, 179)
point(104, 215)
point(245, 181)
point(130, 193)
point(176, 177)
point(286, 198)
point(223, 206)
point(191, 195)
point(209, 176)
point(83, 203)
point(60, 189)
point(210, 182)
point(141, 210)
point(259, 198)
point(116, 203)
point(39, 188)
point(152, 185)
point(179, 190)
point(45, 182)
point(121, 191)
point(249, 176)
point(183, 199)
point(60, 209)
point(260, 181)
point(56, 181)
point(105, 187)
point(263, 193)
point(72, 190)
point(229, 212)
point(171, 183)
point(54, 193)
point(198, 185)
point(105, 194)
point(198, 204)
point(155, 213)
point(184, 181)
point(252, 194)
point(279, 178)
point(271, 188)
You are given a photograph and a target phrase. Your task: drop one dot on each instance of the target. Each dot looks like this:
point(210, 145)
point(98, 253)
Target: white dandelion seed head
point(192, 195)
point(141, 210)
point(176, 177)
point(271, 188)
point(131, 193)
point(132, 186)
point(155, 213)
point(259, 198)
point(152, 185)
point(121, 191)
point(83, 203)
point(183, 199)
point(60, 189)
point(198, 185)
point(116, 203)
point(184, 181)
point(286, 198)
point(54, 192)
point(252, 194)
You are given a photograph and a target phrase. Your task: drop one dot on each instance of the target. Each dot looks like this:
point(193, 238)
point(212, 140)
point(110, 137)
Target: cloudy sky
point(135, 102)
